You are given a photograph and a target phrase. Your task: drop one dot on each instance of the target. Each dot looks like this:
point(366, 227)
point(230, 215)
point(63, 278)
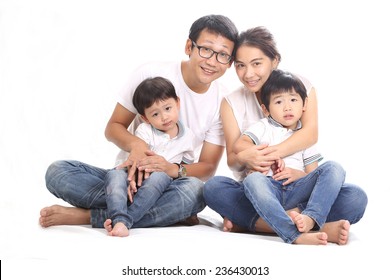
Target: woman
point(256, 56)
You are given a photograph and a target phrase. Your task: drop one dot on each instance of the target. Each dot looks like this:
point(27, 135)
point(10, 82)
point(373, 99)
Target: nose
point(164, 116)
point(212, 60)
point(249, 72)
point(287, 106)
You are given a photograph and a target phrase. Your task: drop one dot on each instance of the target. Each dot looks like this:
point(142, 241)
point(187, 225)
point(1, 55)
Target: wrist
point(181, 171)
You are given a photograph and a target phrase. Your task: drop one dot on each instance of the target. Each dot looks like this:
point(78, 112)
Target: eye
point(224, 55)
point(207, 50)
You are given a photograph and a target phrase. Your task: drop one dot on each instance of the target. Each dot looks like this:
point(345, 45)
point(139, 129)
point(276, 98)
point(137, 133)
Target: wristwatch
point(182, 171)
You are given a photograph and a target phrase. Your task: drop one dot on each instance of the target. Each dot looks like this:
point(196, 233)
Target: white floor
point(61, 64)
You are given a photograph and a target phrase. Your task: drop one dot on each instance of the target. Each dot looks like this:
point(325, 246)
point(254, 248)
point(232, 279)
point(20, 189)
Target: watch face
point(183, 171)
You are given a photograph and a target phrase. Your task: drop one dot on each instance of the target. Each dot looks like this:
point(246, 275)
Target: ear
point(178, 103)
point(188, 47)
point(145, 119)
point(305, 104)
point(275, 63)
point(265, 111)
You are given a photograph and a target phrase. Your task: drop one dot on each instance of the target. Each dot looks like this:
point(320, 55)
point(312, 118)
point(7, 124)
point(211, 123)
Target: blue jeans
point(118, 204)
point(82, 185)
point(271, 199)
point(227, 197)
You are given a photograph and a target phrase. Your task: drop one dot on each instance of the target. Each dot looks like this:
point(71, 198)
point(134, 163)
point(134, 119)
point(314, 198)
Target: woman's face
point(253, 67)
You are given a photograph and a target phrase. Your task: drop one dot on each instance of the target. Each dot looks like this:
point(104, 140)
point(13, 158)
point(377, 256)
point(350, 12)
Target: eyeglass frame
point(213, 52)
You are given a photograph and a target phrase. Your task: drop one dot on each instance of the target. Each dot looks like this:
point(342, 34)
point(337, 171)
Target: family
point(173, 122)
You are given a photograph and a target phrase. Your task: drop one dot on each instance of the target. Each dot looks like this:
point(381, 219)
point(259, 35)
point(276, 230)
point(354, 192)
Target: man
point(210, 49)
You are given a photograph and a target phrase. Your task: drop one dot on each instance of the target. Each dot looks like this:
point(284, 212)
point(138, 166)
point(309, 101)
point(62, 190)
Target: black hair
point(280, 81)
point(259, 37)
point(218, 24)
point(152, 90)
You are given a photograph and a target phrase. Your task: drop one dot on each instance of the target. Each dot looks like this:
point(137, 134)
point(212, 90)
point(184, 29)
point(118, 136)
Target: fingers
point(288, 181)
point(150, 153)
point(131, 173)
point(265, 149)
point(130, 193)
point(146, 175)
point(131, 190)
point(139, 177)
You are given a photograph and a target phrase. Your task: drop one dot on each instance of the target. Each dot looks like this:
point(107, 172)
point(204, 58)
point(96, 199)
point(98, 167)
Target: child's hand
point(278, 166)
point(131, 190)
point(290, 174)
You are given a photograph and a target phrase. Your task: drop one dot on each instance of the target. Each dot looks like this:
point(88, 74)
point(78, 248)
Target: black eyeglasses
point(205, 52)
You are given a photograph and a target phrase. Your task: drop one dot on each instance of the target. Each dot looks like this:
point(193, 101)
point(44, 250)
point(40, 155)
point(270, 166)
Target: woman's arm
point(307, 135)
point(254, 157)
point(232, 133)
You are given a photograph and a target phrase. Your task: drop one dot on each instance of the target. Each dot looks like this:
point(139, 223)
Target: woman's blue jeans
point(232, 199)
point(82, 185)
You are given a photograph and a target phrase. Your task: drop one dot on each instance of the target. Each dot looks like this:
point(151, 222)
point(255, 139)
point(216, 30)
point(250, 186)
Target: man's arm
point(116, 130)
point(208, 162)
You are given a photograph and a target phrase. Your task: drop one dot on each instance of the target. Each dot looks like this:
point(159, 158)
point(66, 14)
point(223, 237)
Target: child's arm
point(253, 158)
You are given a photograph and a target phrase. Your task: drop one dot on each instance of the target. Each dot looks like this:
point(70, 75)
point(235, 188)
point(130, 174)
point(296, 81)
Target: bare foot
point(312, 238)
point(108, 225)
point(303, 222)
point(60, 215)
point(190, 221)
point(338, 231)
point(119, 229)
point(228, 226)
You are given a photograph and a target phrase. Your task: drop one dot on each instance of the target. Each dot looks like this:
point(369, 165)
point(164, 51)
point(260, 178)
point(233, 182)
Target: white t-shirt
point(174, 150)
point(268, 131)
point(247, 110)
point(199, 112)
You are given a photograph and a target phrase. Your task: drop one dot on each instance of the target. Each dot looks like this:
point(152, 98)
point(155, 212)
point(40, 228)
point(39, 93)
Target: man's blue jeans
point(82, 185)
point(230, 199)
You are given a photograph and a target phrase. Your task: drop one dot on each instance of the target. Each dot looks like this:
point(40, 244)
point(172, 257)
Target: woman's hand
point(258, 158)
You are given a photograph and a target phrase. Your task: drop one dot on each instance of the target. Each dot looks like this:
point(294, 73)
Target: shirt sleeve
point(311, 155)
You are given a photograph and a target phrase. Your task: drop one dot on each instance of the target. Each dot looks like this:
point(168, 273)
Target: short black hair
point(280, 81)
point(218, 24)
point(152, 90)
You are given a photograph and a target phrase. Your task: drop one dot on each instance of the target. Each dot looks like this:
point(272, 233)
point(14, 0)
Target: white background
point(63, 62)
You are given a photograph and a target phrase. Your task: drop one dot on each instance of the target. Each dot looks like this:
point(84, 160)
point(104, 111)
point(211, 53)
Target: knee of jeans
point(52, 172)
point(210, 187)
point(336, 168)
point(158, 176)
point(255, 179)
point(351, 204)
point(360, 202)
point(116, 175)
point(194, 190)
